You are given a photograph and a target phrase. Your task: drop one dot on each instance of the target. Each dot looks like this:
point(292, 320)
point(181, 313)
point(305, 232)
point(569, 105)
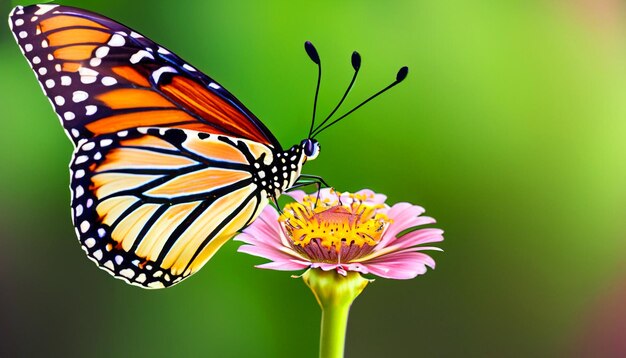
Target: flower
point(343, 232)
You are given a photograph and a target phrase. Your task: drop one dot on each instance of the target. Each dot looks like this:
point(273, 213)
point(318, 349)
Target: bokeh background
point(510, 130)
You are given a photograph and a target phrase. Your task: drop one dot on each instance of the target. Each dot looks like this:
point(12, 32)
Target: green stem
point(335, 294)
point(333, 334)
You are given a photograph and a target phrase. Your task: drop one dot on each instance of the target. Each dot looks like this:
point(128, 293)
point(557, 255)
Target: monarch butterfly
point(167, 164)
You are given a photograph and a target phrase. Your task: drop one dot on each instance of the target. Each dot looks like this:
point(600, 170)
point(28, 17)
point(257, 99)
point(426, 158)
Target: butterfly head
point(311, 148)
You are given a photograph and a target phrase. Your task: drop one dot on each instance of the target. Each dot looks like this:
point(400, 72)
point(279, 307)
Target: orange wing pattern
point(102, 77)
point(152, 205)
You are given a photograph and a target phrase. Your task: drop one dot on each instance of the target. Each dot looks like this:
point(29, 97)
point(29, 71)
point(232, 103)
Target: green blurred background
point(509, 130)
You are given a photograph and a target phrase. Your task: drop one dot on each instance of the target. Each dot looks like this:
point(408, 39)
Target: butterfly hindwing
point(102, 77)
point(152, 205)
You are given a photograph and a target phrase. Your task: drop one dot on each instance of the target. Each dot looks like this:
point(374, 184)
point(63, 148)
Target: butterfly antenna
point(314, 56)
point(356, 64)
point(402, 73)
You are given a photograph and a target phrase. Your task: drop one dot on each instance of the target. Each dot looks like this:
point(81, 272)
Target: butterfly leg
point(314, 178)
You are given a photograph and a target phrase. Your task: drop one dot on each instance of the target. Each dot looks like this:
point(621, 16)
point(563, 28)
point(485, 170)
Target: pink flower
point(343, 232)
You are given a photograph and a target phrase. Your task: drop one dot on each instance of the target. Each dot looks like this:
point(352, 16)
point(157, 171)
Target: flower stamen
point(331, 231)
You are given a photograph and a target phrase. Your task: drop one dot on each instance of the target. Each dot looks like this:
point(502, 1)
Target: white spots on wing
point(142, 130)
point(44, 43)
point(36, 60)
point(158, 274)
point(214, 85)
point(102, 51)
point(141, 278)
point(94, 62)
point(128, 273)
point(50, 57)
point(156, 284)
point(163, 51)
point(28, 47)
point(90, 109)
point(97, 156)
point(22, 34)
point(19, 10)
point(135, 35)
point(34, 18)
point(79, 96)
point(66, 80)
point(38, 31)
point(89, 146)
point(135, 58)
point(108, 81)
point(109, 265)
point(87, 75)
point(81, 159)
point(90, 242)
point(50, 83)
point(75, 133)
point(98, 255)
point(156, 75)
point(89, 204)
point(117, 40)
point(69, 116)
point(79, 208)
point(79, 174)
point(122, 134)
point(119, 259)
point(189, 68)
point(106, 142)
point(59, 100)
point(19, 22)
point(101, 232)
point(44, 8)
point(84, 226)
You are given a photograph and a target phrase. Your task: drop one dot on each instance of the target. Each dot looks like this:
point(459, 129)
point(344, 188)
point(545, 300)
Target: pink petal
point(325, 266)
point(418, 237)
point(404, 216)
point(326, 194)
point(269, 252)
point(291, 265)
point(372, 197)
point(400, 266)
point(265, 230)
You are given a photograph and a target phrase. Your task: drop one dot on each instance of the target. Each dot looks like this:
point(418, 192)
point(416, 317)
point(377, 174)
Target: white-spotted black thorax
point(284, 170)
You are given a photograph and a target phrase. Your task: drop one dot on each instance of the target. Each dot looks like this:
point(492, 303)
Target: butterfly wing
point(102, 77)
point(167, 165)
point(152, 205)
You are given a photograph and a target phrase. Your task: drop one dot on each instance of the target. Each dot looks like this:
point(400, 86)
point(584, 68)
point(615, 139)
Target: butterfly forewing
point(102, 77)
point(152, 205)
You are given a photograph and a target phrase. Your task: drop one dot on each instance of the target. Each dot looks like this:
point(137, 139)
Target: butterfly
point(167, 164)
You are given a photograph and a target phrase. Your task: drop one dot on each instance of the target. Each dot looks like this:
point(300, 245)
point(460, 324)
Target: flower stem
point(333, 334)
point(335, 294)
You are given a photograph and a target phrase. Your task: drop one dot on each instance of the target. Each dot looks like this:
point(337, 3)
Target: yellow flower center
point(331, 224)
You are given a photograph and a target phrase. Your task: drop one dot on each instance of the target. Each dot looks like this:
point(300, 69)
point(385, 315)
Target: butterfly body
point(168, 165)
